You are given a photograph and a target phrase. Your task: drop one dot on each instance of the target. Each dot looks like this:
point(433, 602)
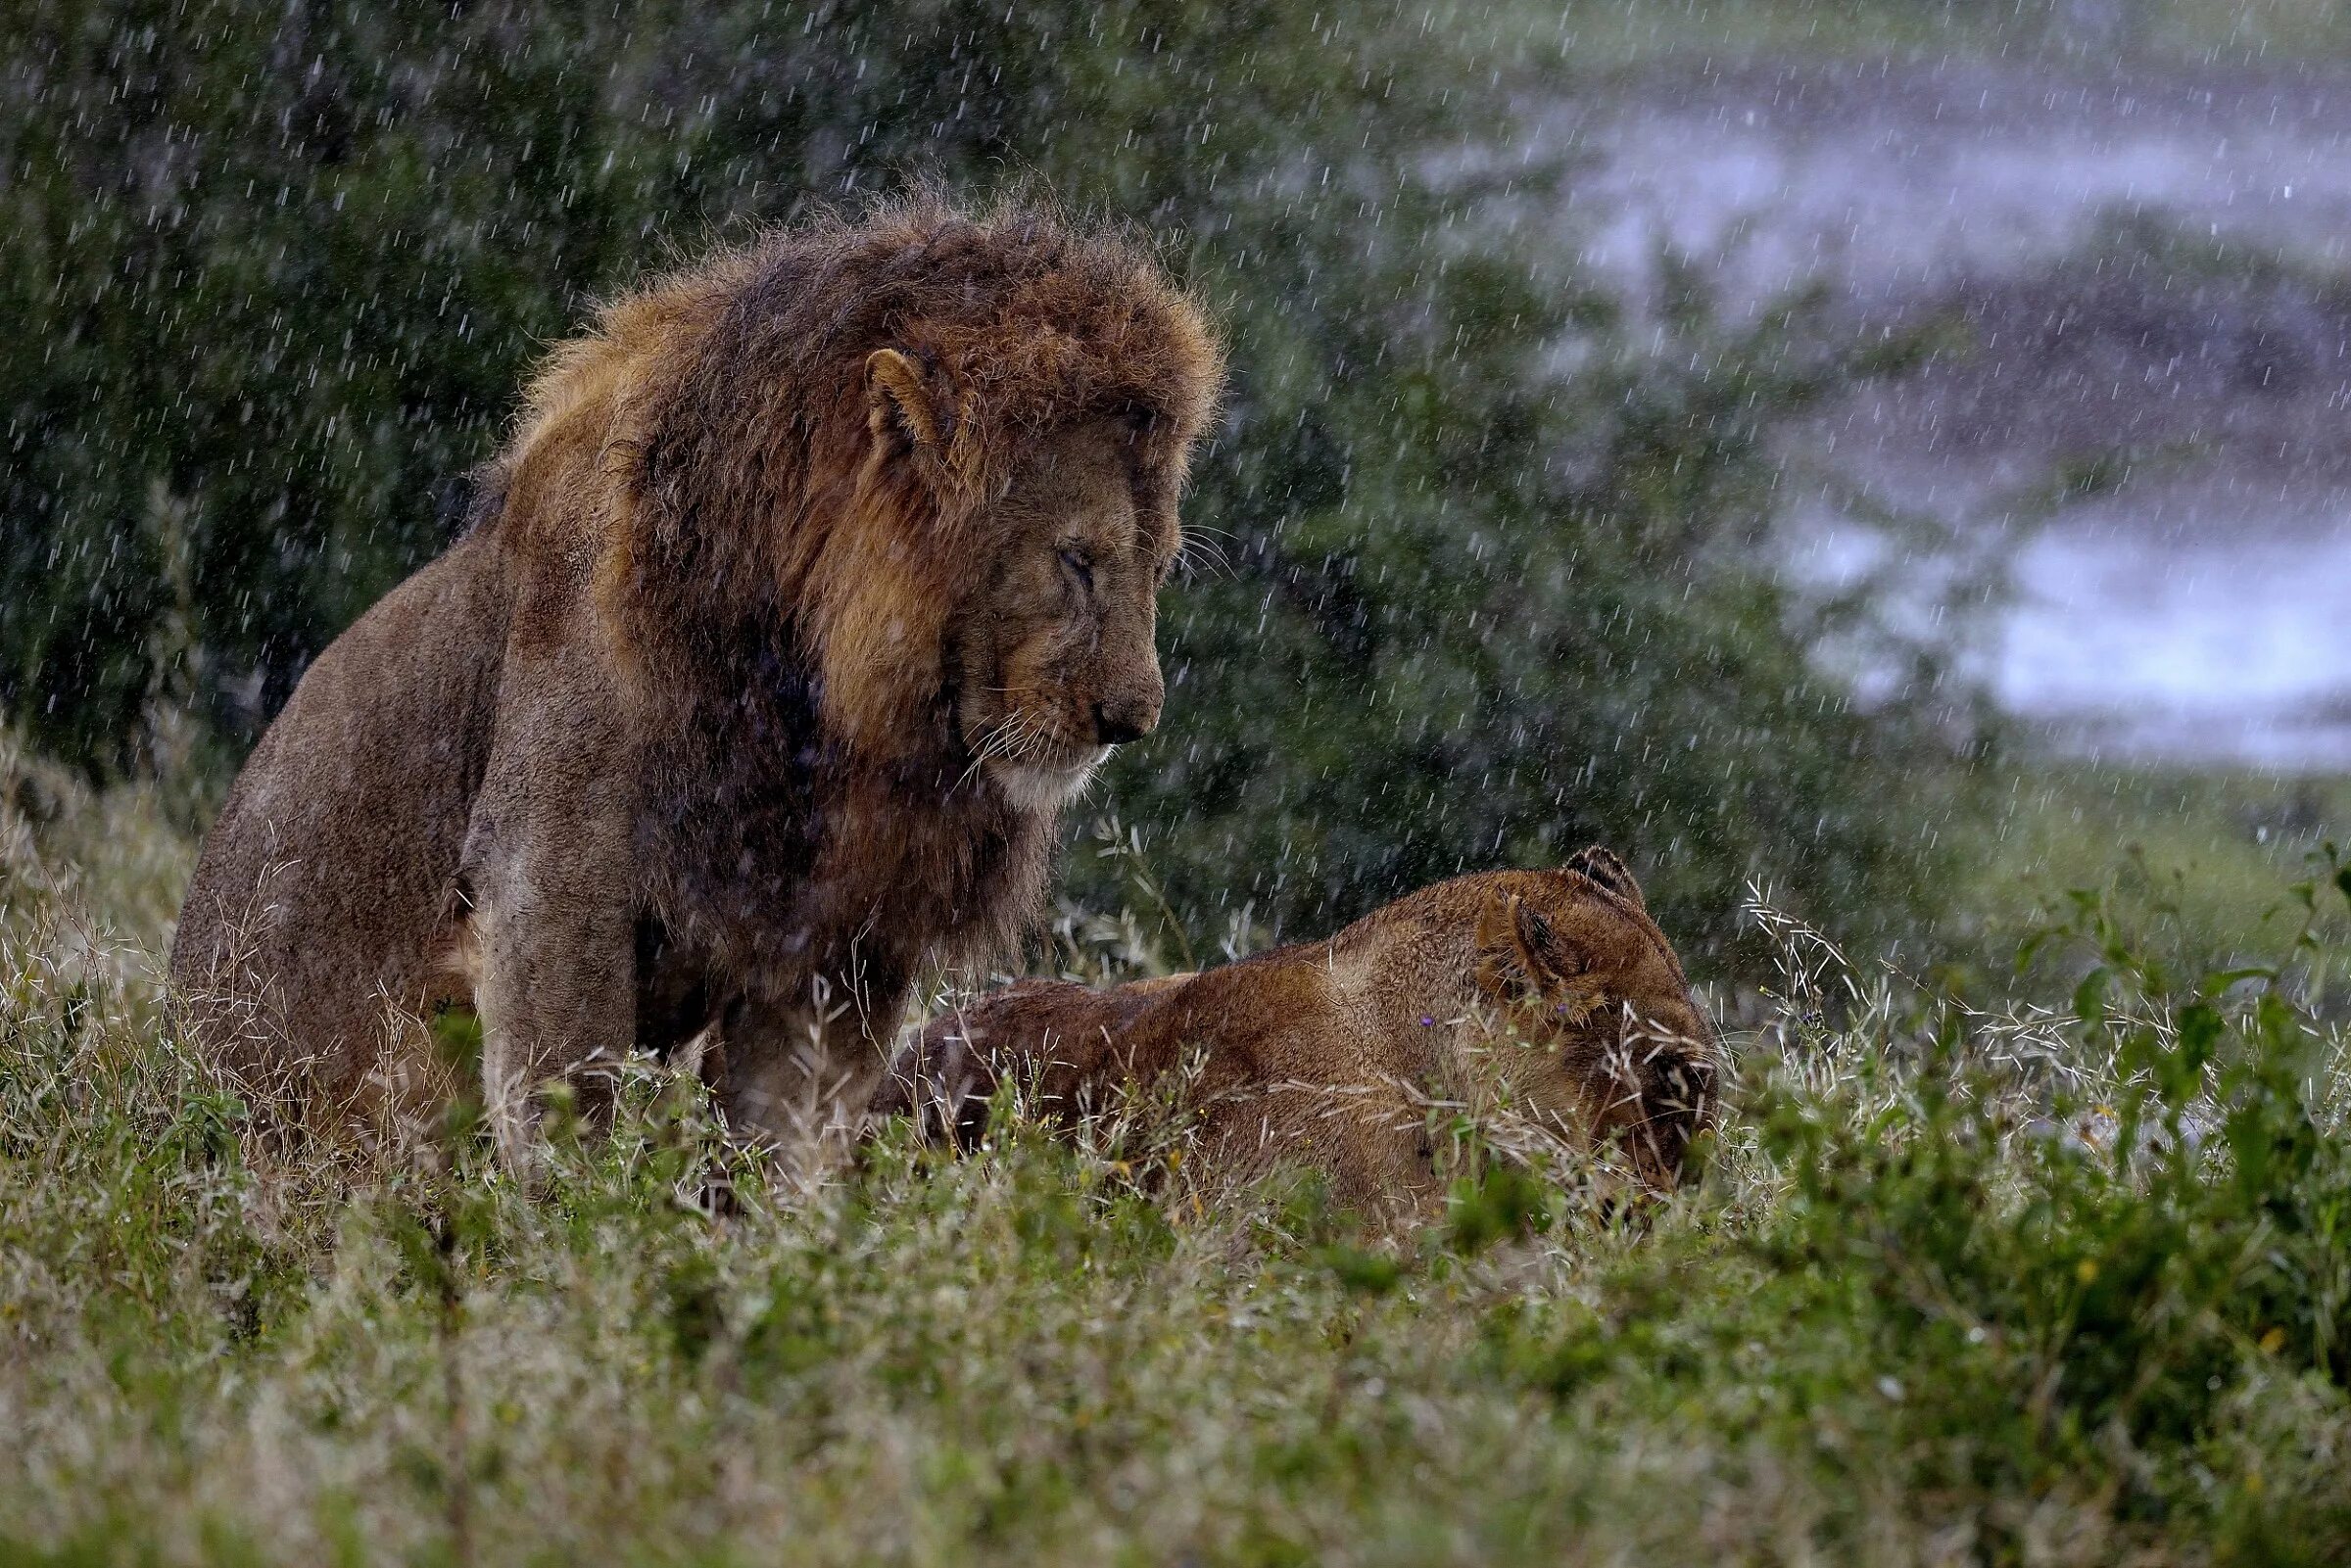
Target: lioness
point(810, 587)
point(1313, 1052)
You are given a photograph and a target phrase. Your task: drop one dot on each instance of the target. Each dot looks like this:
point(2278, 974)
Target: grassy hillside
point(1923, 1307)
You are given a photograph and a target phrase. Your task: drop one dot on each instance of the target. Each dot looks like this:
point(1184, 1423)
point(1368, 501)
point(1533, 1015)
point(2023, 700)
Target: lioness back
point(1325, 1052)
point(1071, 1037)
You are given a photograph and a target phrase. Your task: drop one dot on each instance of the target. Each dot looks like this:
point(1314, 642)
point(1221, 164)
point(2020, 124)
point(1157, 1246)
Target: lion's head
point(1623, 1051)
point(1050, 656)
point(941, 451)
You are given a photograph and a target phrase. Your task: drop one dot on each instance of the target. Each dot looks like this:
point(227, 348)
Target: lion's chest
point(771, 854)
point(807, 876)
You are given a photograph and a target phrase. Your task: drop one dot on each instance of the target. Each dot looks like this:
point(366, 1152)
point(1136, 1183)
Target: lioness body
point(1315, 1053)
point(807, 591)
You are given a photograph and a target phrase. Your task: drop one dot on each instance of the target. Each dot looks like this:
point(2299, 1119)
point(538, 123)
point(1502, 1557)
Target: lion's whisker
point(1197, 555)
point(991, 744)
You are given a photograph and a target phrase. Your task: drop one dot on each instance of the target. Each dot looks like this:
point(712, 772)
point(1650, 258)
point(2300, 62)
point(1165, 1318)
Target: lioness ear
point(1604, 868)
point(1517, 953)
point(901, 397)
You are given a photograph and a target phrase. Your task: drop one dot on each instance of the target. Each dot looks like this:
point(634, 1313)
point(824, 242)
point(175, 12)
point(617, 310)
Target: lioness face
point(1623, 1055)
point(1056, 658)
point(1643, 1067)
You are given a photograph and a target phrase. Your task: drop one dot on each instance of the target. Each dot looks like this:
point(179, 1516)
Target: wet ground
point(2150, 265)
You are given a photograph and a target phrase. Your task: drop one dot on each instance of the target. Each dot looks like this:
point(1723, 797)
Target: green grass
point(2201, 865)
point(1960, 1284)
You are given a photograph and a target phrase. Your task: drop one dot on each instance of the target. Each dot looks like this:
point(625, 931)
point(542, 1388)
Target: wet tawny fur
point(810, 584)
point(1314, 1054)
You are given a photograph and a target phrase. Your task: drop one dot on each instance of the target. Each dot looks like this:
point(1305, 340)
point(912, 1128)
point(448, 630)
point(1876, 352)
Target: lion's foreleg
point(555, 1006)
point(547, 879)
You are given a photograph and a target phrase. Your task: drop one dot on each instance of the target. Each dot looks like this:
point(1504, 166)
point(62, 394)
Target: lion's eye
point(1079, 564)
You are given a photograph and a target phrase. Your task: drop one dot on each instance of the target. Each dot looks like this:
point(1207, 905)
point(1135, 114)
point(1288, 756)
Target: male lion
point(1315, 1053)
point(810, 587)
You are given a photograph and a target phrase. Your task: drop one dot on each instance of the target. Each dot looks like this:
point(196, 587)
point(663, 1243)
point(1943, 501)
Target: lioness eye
point(1079, 562)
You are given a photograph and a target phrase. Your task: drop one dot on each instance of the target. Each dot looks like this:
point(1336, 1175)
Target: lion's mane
point(711, 444)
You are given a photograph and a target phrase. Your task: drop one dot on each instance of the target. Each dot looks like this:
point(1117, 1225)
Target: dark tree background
point(1485, 570)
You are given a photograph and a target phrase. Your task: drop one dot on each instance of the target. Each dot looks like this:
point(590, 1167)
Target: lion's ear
point(903, 398)
point(1605, 868)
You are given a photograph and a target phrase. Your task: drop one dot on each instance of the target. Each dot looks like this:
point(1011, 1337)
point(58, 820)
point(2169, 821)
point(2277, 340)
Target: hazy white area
point(2210, 646)
point(2199, 612)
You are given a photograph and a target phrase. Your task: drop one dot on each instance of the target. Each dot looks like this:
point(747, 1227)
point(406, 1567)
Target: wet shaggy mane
point(777, 566)
point(723, 415)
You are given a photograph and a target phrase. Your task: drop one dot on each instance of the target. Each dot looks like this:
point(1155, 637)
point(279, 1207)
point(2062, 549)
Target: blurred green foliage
point(1485, 584)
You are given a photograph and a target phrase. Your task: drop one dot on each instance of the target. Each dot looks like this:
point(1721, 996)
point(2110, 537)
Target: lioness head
point(1051, 653)
point(1624, 1054)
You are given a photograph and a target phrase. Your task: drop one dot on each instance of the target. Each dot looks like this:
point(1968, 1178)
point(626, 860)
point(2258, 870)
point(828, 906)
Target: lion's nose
point(1117, 722)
